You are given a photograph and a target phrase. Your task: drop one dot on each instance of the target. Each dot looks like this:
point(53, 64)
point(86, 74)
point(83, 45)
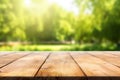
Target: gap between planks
point(75, 61)
point(60, 64)
point(108, 57)
point(26, 66)
point(11, 57)
point(93, 66)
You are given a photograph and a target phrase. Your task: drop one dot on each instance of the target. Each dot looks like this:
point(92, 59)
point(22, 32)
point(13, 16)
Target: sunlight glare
point(68, 5)
point(28, 3)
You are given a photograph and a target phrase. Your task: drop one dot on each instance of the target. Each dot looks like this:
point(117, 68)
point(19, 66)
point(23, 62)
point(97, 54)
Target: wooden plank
point(93, 66)
point(60, 64)
point(113, 59)
point(26, 66)
point(4, 53)
point(6, 59)
point(115, 53)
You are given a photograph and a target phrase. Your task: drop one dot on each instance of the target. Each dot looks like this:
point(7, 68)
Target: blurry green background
point(55, 25)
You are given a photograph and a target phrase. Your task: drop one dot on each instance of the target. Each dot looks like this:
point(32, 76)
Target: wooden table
point(60, 64)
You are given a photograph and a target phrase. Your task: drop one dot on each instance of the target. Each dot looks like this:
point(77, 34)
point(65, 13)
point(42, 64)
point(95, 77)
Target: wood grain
point(93, 66)
point(113, 59)
point(26, 66)
point(83, 64)
point(60, 64)
point(10, 57)
point(4, 53)
point(115, 53)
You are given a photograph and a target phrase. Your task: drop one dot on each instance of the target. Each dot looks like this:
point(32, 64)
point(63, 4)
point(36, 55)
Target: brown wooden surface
point(111, 58)
point(80, 64)
point(10, 57)
point(60, 64)
point(93, 66)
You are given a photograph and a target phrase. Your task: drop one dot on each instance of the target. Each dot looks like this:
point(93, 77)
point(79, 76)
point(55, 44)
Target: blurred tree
point(111, 24)
point(98, 20)
point(7, 20)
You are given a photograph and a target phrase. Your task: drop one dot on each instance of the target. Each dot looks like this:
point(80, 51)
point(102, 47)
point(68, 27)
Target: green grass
point(77, 47)
point(34, 48)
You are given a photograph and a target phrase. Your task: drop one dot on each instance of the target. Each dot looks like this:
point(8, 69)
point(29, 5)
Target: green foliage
point(77, 47)
point(98, 22)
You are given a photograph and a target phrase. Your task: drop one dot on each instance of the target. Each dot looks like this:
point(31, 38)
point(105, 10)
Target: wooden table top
point(69, 64)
